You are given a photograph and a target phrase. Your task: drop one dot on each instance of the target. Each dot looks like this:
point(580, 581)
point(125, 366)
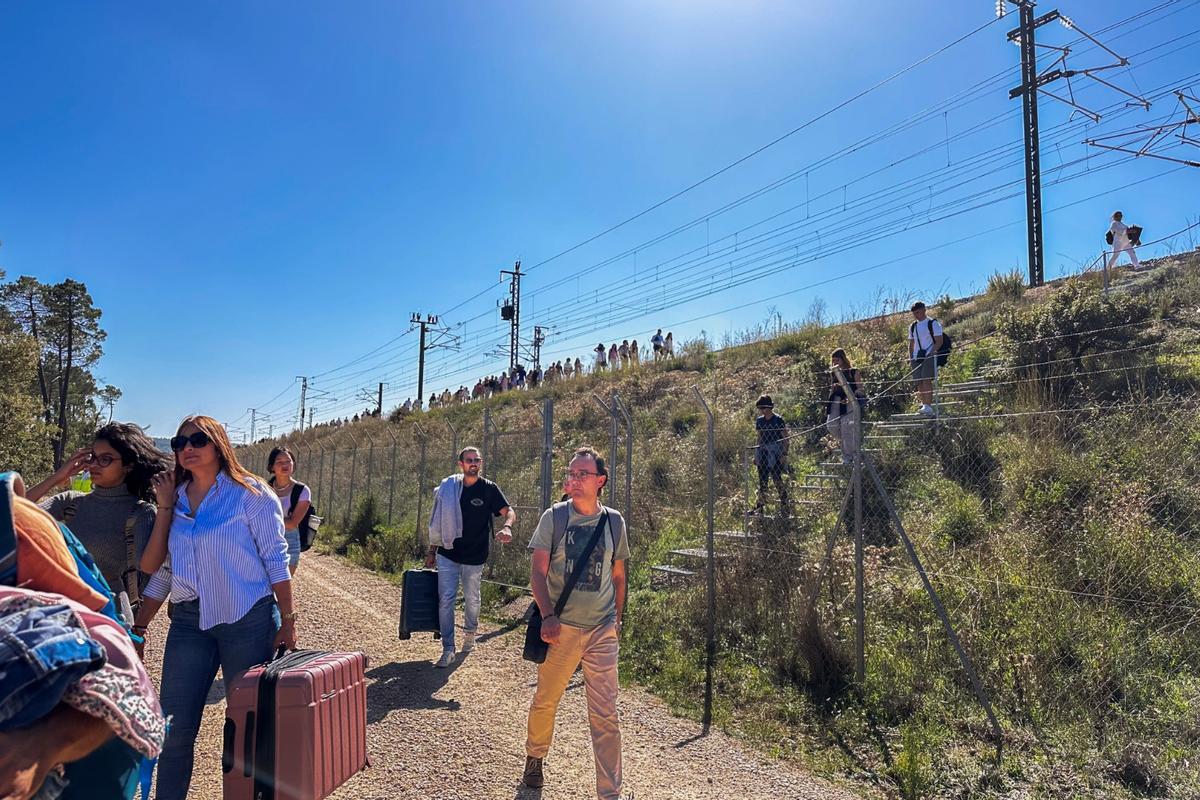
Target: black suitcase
point(419, 603)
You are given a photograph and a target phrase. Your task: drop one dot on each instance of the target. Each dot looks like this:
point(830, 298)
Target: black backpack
point(943, 353)
point(311, 523)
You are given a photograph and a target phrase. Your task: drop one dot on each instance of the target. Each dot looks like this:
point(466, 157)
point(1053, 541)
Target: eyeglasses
point(100, 459)
point(196, 440)
point(579, 475)
point(472, 460)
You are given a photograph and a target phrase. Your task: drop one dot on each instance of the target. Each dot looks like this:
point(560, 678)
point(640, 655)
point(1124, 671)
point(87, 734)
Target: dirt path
point(460, 733)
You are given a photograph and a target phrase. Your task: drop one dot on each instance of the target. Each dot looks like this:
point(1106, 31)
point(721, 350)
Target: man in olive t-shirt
point(586, 630)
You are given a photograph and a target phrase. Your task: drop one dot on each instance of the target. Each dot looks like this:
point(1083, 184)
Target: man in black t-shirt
point(460, 536)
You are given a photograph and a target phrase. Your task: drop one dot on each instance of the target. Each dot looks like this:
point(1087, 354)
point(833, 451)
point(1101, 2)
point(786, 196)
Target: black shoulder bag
point(535, 648)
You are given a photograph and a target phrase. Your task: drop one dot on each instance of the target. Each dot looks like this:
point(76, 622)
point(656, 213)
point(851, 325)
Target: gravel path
point(460, 733)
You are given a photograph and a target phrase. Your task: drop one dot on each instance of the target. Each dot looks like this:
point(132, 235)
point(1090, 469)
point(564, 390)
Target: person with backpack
point(578, 579)
point(657, 343)
point(115, 519)
point(1123, 238)
point(928, 346)
point(839, 418)
point(294, 497)
point(228, 581)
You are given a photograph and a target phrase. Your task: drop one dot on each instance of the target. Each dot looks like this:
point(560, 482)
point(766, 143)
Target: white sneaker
point(468, 642)
point(446, 660)
point(927, 411)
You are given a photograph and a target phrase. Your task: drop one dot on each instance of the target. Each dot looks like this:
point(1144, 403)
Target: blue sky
point(255, 192)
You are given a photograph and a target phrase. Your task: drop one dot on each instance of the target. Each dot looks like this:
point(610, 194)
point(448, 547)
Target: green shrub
point(913, 771)
point(959, 518)
point(683, 420)
point(364, 524)
point(1006, 286)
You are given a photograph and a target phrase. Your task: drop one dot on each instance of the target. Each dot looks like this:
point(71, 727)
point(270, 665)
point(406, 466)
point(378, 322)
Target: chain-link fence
point(1017, 574)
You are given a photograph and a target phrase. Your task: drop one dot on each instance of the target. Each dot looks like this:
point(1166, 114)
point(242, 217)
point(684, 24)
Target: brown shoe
point(533, 773)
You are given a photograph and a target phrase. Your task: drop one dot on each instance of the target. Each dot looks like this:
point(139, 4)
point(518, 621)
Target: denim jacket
point(42, 652)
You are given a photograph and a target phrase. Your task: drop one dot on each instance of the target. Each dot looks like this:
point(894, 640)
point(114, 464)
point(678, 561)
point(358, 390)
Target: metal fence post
point(860, 612)
point(453, 441)
point(332, 480)
point(420, 478)
point(611, 484)
point(614, 437)
point(620, 406)
point(487, 425)
point(967, 664)
point(547, 452)
point(710, 648)
point(353, 464)
point(320, 475)
point(392, 480)
point(370, 463)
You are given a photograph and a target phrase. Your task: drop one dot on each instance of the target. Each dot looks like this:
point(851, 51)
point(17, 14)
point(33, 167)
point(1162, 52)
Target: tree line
point(50, 398)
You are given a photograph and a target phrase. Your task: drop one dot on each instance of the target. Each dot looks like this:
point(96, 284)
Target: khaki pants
point(597, 649)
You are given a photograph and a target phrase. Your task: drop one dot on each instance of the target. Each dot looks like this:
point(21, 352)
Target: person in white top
point(924, 341)
point(1120, 241)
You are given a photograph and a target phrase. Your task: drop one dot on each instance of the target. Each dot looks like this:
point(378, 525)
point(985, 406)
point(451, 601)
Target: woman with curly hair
point(114, 520)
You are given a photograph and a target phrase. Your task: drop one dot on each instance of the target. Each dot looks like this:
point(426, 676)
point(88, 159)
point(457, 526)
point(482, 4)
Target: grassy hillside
point(1057, 512)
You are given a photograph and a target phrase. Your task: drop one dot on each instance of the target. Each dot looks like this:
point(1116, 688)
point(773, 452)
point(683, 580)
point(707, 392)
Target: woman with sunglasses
point(228, 580)
point(114, 520)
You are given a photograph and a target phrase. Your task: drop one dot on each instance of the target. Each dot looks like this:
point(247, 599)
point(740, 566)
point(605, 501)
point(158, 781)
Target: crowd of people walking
point(614, 356)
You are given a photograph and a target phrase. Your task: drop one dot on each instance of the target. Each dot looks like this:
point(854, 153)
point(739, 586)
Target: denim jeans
point(189, 667)
point(293, 543)
point(450, 574)
point(43, 650)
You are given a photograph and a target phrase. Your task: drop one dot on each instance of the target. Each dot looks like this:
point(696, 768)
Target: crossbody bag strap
point(130, 576)
point(577, 573)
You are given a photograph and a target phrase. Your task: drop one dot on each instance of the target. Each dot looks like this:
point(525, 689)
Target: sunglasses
point(102, 460)
point(472, 460)
point(196, 440)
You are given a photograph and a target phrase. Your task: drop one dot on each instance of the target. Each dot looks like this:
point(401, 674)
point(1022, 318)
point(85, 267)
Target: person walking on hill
point(228, 581)
point(1122, 242)
point(623, 353)
point(578, 368)
point(294, 497)
point(770, 454)
point(635, 358)
point(586, 630)
point(924, 340)
point(601, 357)
point(460, 534)
point(657, 342)
point(115, 519)
point(838, 419)
point(613, 356)
point(669, 345)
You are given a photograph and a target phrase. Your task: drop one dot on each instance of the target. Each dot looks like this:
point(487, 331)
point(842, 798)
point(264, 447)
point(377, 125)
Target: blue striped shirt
point(228, 556)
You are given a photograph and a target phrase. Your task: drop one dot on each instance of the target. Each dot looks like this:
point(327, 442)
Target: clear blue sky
point(256, 191)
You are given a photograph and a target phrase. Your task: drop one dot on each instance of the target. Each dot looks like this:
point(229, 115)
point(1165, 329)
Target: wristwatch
point(289, 617)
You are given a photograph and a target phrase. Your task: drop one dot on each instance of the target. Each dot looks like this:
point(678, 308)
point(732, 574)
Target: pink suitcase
point(296, 728)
